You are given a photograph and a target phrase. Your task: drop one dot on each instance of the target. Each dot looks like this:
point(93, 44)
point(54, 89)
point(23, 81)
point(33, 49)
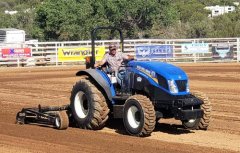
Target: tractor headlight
point(187, 87)
point(172, 86)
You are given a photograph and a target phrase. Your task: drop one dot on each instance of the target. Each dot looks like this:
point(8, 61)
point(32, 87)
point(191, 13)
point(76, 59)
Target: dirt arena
point(27, 87)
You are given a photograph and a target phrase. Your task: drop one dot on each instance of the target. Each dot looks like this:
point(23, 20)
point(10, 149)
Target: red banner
point(16, 52)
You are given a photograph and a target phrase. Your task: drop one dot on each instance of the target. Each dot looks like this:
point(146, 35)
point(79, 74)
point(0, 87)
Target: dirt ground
point(27, 87)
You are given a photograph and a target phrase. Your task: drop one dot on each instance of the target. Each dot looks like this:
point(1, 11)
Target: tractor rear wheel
point(88, 105)
point(201, 123)
point(139, 116)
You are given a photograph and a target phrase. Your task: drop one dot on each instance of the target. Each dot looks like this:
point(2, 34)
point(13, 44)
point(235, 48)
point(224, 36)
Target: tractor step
point(120, 97)
point(118, 111)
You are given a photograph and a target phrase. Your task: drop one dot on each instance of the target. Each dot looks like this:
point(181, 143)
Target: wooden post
point(56, 53)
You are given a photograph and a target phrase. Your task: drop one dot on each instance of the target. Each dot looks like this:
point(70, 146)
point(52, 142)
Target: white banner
point(190, 48)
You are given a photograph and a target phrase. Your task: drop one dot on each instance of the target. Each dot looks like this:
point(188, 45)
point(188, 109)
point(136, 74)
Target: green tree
point(217, 2)
point(63, 20)
point(139, 16)
point(226, 25)
point(73, 20)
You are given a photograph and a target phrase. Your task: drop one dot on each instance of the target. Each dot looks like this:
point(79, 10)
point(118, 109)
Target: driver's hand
point(96, 65)
point(131, 57)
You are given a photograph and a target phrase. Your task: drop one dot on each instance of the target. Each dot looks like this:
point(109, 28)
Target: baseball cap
point(112, 46)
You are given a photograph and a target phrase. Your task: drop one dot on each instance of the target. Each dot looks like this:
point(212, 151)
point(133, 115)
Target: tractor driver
point(114, 59)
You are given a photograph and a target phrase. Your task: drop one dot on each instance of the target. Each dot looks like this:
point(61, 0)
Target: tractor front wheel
point(139, 116)
point(200, 123)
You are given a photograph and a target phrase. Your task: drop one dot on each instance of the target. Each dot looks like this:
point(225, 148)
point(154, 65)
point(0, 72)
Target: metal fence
point(46, 53)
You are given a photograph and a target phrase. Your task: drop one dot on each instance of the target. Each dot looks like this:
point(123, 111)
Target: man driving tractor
point(113, 58)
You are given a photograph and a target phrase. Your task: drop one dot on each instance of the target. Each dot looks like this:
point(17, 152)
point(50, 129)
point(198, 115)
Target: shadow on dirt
point(118, 126)
point(171, 129)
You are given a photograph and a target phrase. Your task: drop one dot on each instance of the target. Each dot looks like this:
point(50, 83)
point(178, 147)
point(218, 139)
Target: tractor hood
point(168, 71)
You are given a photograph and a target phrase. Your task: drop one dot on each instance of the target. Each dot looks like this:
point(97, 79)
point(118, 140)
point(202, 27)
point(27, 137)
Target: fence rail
point(46, 53)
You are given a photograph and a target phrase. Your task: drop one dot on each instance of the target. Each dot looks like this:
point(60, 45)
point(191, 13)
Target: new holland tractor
point(149, 91)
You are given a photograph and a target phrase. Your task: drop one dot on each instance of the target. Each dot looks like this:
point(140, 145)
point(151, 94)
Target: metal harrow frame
point(57, 116)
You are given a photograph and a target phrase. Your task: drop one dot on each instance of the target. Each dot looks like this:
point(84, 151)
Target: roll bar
point(93, 38)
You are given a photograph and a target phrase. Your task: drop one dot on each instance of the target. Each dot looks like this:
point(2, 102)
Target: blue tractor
point(148, 92)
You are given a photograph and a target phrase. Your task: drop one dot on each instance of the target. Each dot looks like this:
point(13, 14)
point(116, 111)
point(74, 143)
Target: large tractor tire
point(139, 116)
point(61, 121)
point(201, 123)
point(88, 105)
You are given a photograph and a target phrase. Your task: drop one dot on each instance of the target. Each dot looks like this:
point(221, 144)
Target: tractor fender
point(101, 80)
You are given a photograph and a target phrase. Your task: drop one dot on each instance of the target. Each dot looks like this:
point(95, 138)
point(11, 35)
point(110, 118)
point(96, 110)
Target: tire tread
point(207, 108)
point(101, 110)
point(149, 114)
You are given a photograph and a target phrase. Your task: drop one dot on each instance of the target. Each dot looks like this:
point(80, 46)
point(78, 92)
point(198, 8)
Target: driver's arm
point(130, 57)
point(102, 62)
point(127, 57)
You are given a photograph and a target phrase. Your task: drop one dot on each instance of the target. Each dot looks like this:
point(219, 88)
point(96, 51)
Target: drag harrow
point(56, 116)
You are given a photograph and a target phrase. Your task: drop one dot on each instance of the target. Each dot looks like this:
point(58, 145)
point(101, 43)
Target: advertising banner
point(79, 54)
point(16, 52)
point(154, 51)
point(222, 51)
point(190, 48)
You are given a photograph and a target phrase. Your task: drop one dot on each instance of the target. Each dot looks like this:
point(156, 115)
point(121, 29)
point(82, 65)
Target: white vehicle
point(12, 36)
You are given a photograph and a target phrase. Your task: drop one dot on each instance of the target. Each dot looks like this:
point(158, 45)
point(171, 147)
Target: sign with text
point(222, 51)
point(154, 51)
point(190, 48)
point(79, 54)
point(16, 52)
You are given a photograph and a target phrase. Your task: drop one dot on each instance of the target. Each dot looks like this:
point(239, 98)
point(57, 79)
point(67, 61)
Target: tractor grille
point(182, 85)
point(162, 81)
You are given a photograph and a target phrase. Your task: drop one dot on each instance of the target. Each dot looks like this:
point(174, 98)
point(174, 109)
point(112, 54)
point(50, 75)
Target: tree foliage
point(73, 20)
point(64, 20)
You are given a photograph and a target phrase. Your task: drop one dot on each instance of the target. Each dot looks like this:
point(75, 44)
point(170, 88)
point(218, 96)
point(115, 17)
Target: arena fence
point(169, 50)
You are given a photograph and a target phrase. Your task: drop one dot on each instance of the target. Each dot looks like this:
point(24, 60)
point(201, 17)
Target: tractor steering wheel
point(124, 63)
point(121, 73)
